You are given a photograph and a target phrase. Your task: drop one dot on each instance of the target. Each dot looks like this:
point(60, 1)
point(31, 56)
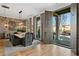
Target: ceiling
point(28, 9)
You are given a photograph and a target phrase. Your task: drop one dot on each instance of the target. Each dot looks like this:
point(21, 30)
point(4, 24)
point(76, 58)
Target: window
point(63, 27)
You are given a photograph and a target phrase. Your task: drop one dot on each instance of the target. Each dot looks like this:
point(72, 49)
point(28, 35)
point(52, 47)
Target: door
point(64, 29)
point(61, 28)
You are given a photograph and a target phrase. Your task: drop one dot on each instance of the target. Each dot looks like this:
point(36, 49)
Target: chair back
point(28, 39)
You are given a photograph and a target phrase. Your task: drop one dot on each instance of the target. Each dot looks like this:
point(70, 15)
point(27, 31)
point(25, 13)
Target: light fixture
point(20, 14)
point(6, 25)
point(20, 17)
point(20, 23)
point(5, 7)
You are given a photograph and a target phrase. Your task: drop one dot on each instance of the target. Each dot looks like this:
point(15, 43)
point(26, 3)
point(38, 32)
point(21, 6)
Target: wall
point(46, 27)
point(75, 28)
point(12, 23)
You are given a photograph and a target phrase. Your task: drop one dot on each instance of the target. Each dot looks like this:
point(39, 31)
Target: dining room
point(21, 28)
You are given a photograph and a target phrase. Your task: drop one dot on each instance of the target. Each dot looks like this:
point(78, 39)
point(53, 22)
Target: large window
point(65, 24)
point(62, 27)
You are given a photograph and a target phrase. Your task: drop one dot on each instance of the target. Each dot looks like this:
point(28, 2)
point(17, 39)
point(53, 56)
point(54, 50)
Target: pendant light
point(20, 14)
point(20, 17)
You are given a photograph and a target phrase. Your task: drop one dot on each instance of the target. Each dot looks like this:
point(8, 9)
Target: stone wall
point(9, 24)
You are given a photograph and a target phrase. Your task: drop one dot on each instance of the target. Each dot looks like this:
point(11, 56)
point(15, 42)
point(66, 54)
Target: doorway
point(61, 22)
point(38, 24)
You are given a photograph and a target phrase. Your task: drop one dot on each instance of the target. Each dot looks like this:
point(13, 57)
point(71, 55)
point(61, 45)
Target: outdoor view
point(63, 31)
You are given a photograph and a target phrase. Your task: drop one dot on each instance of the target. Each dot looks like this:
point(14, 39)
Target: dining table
point(20, 35)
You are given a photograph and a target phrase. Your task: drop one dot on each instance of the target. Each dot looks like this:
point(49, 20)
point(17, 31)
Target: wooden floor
point(44, 50)
point(2, 46)
point(39, 50)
